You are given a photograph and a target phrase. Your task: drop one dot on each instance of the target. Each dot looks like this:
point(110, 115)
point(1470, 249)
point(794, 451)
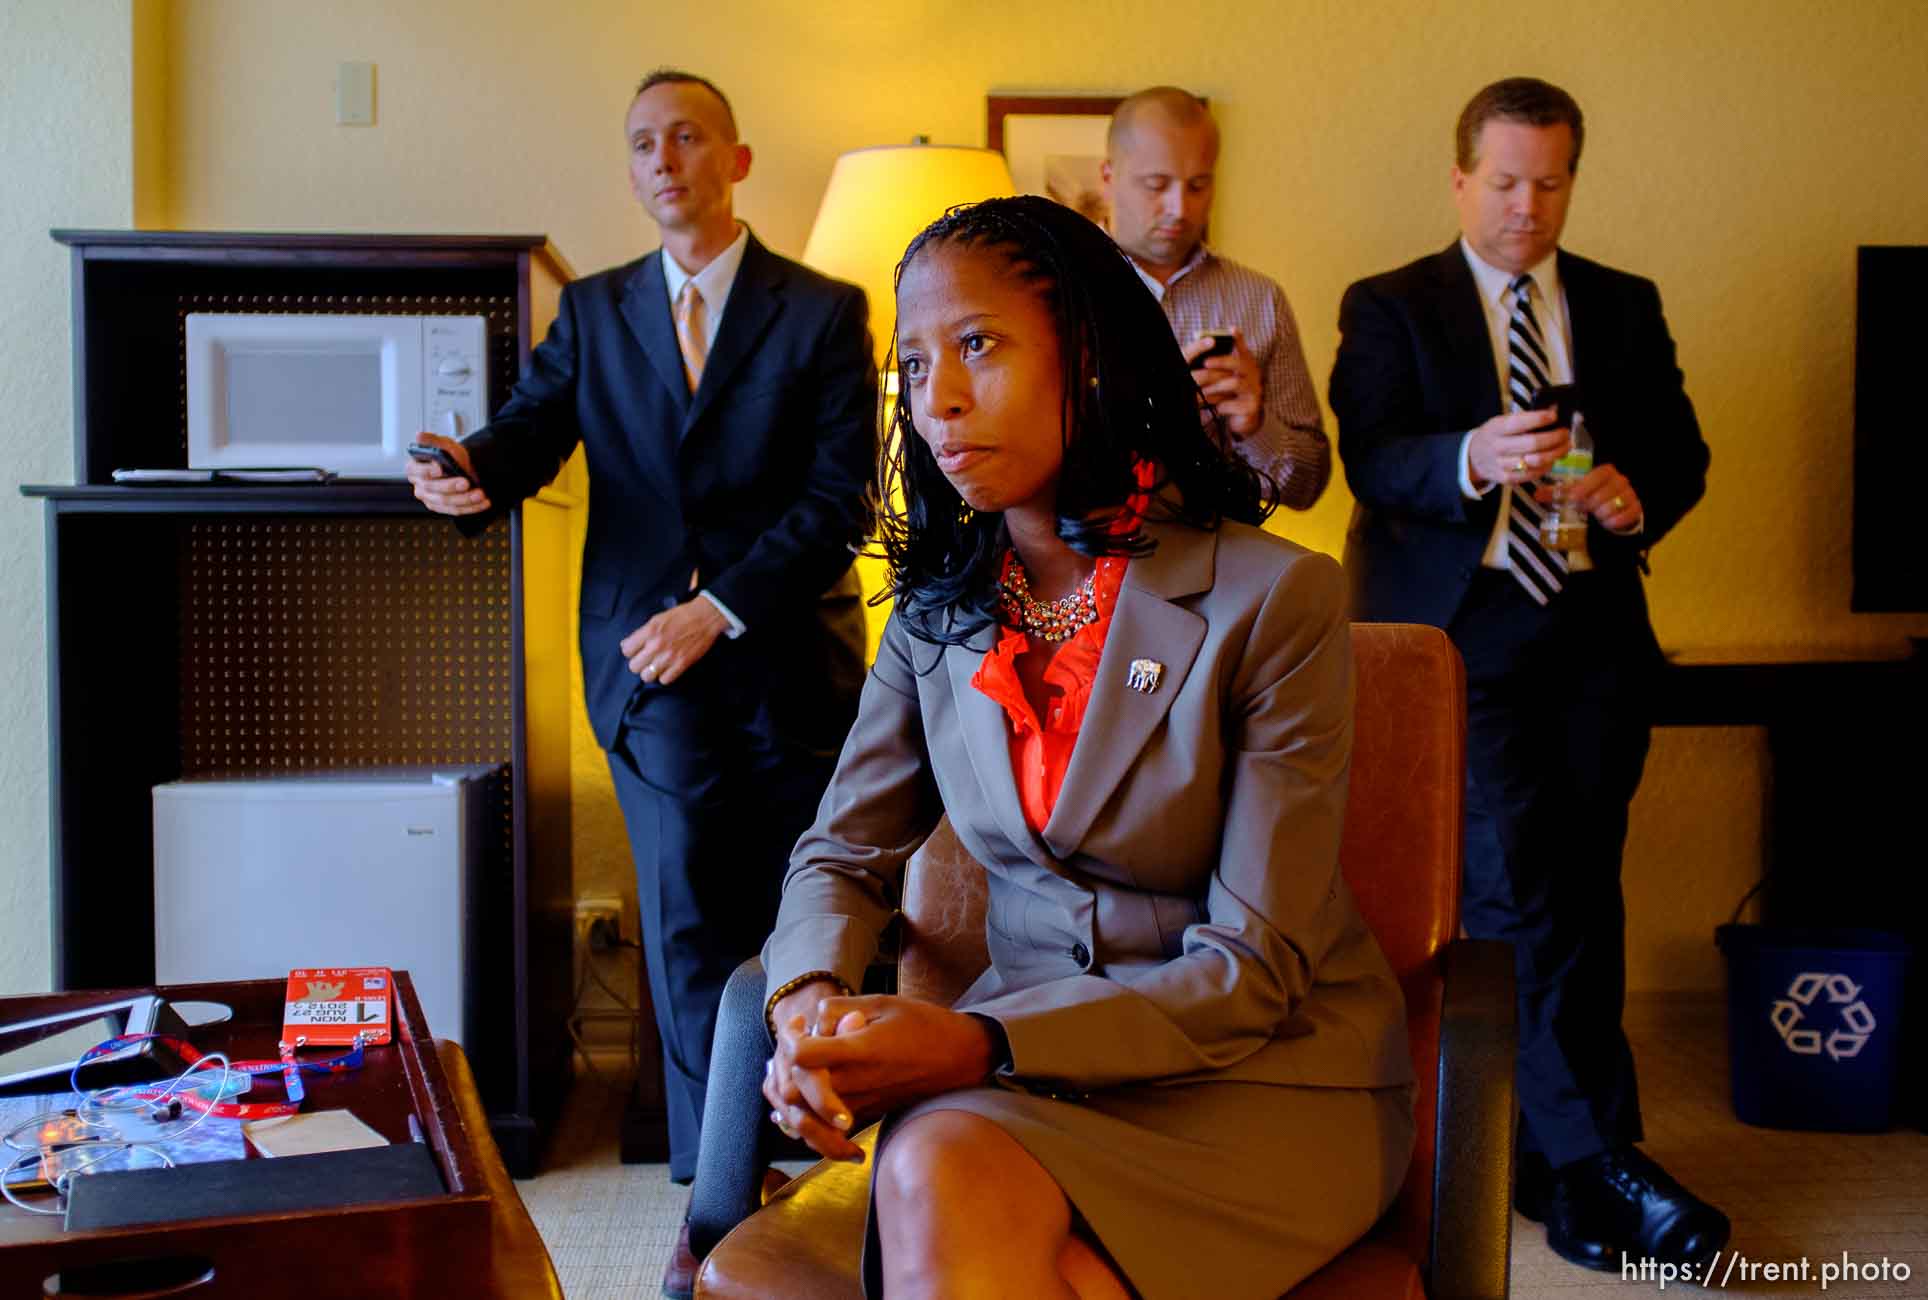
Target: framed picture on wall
point(1054, 144)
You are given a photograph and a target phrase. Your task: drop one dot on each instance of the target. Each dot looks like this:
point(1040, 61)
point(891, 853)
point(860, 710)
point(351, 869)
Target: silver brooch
point(1144, 675)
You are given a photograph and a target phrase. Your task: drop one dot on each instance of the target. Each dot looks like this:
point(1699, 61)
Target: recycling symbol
point(1856, 1021)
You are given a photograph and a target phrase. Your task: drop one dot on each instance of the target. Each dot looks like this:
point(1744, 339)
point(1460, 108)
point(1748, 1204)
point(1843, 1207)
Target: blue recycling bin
point(1814, 1024)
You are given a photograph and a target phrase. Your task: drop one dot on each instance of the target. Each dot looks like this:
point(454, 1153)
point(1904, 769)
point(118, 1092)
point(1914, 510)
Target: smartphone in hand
point(1563, 398)
point(437, 456)
point(1223, 341)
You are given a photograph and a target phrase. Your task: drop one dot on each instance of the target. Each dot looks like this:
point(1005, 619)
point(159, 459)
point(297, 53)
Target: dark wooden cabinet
point(199, 630)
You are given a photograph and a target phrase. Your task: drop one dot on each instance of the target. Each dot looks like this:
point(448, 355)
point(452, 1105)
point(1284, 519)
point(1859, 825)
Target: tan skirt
point(1219, 1190)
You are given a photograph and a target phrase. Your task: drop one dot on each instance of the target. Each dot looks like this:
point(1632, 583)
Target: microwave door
point(308, 404)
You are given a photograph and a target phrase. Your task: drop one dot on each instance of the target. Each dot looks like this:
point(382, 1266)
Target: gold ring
point(1519, 465)
point(1620, 503)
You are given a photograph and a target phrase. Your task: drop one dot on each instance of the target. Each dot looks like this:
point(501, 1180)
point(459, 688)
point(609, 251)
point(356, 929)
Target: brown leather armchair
point(1448, 1234)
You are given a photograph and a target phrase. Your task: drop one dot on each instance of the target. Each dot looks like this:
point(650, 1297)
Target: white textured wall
point(1737, 153)
point(65, 160)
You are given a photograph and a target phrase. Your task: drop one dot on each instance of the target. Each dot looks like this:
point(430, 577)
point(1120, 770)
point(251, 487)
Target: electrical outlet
point(599, 917)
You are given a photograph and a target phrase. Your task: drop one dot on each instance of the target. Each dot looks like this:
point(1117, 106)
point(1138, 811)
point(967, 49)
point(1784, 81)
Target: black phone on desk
point(437, 456)
point(1563, 398)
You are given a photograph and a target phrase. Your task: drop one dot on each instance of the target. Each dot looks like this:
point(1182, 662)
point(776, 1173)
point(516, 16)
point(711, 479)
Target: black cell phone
point(1223, 342)
point(1564, 398)
point(439, 456)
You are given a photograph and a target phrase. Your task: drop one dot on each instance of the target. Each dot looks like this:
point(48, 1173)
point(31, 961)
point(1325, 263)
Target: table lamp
point(879, 198)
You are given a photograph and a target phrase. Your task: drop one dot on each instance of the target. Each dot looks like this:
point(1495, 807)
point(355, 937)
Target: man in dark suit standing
point(725, 399)
point(1438, 365)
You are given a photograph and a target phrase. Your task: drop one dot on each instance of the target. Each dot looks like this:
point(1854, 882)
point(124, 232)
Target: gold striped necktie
point(689, 332)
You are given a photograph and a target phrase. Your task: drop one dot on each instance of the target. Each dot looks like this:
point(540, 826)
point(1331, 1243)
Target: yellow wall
point(153, 74)
point(1738, 152)
point(65, 160)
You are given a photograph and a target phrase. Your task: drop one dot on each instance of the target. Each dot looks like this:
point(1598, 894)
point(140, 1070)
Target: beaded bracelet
point(808, 977)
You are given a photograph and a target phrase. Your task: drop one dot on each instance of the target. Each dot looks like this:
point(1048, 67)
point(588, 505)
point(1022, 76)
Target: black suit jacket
point(756, 482)
point(1415, 371)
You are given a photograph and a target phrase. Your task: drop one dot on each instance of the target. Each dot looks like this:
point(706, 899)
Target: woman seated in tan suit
point(1185, 1072)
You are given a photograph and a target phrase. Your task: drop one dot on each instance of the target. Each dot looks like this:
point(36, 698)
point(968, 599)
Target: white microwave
point(338, 392)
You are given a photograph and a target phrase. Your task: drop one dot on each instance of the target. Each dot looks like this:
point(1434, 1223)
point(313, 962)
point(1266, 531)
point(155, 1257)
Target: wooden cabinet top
point(241, 245)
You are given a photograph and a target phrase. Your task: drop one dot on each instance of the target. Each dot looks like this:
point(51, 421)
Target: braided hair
point(1130, 397)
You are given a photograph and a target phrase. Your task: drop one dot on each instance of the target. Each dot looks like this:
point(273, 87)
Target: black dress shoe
point(1581, 1225)
point(1656, 1217)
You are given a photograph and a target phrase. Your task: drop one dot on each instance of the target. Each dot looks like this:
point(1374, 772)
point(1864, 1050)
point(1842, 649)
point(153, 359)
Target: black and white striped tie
point(1539, 571)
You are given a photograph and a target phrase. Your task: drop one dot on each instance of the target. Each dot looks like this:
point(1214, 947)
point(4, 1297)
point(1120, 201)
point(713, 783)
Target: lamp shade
point(878, 199)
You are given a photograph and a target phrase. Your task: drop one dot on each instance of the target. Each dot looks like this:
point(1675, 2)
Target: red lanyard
point(189, 1090)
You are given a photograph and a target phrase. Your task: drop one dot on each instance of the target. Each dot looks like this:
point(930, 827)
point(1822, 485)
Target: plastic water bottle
point(1564, 525)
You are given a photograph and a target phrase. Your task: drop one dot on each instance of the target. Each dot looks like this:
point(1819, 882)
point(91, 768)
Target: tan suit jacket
point(1182, 915)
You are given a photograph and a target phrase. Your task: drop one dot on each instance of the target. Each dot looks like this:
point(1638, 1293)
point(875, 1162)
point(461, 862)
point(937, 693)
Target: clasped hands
point(840, 1060)
point(1519, 447)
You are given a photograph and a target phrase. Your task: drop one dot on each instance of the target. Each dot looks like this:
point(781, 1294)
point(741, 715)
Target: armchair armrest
point(1473, 1162)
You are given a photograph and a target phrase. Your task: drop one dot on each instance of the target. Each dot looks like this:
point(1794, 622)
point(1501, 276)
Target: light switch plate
point(355, 94)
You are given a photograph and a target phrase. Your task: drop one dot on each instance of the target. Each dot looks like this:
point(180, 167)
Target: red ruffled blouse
point(1041, 747)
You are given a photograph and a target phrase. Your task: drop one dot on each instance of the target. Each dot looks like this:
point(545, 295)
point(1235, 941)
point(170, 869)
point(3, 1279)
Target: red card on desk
point(332, 1004)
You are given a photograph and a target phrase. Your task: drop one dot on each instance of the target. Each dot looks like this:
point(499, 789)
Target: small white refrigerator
point(255, 877)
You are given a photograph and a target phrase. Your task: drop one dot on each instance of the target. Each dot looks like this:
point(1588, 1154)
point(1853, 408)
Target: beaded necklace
point(1048, 620)
point(1059, 620)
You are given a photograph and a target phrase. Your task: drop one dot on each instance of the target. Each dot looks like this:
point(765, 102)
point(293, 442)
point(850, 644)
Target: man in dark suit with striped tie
point(1439, 364)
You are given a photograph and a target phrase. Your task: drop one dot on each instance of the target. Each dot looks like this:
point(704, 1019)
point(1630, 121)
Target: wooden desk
point(1841, 793)
point(477, 1239)
point(1773, 687)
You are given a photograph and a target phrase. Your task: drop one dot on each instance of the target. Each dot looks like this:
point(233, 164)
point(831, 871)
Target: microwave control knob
point(453, 368)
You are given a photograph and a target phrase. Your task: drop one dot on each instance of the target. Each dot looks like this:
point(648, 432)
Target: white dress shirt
point(1550, 310)
point(713, 282)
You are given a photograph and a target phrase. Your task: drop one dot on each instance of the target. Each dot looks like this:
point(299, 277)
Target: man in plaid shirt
point(1158, 173)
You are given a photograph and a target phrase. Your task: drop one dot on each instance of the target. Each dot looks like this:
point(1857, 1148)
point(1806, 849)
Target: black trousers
point(1558, 722)
point(714, 798)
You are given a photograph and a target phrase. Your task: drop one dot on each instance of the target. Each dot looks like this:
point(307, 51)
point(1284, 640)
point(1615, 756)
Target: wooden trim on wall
point(998, 107)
